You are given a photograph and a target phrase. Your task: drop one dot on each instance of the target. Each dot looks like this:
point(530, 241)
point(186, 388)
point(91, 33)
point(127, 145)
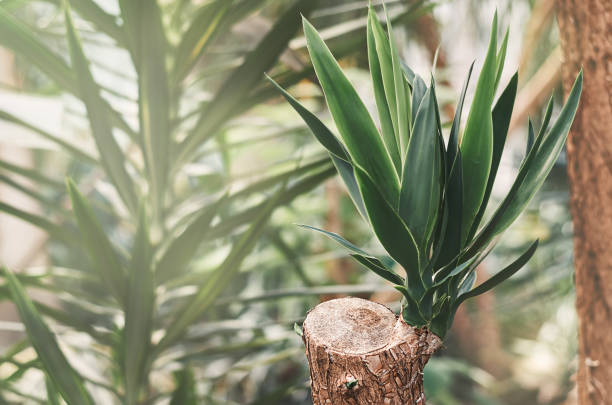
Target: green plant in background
point(142, 284)
point(425, 197)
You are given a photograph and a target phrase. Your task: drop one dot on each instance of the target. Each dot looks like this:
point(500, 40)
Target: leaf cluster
point(424, 194)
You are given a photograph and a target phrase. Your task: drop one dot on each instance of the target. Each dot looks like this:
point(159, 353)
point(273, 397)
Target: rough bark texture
point(361, 353)
point(586, 34)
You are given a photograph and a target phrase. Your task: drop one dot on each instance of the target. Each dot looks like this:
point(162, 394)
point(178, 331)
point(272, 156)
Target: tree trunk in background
point(361, 353)
point(586, 35)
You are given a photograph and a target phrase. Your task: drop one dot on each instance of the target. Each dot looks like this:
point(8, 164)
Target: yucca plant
point(425, 198)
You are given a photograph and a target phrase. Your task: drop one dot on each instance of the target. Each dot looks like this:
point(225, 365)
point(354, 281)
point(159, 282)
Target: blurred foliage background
point(196, 197)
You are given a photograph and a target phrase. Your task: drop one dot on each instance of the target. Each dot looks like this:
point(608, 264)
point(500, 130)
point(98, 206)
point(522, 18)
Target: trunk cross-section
point(361, 353)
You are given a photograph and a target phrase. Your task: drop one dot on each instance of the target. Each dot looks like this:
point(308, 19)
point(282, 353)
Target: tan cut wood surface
point(361, 353)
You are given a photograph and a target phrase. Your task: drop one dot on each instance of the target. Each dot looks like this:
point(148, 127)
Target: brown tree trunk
point(361, 353)
point(586, 35)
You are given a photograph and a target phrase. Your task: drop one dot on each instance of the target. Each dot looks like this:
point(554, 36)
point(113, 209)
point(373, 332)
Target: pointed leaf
point(339, 239)
point(468, 283)
point(183, 247)
point(353, 120)
point(391, 231)
point(320, 130)
point(419, 88)
point(501, 58)
point(382, 46)
point(66, 379)
point(501, 115)
point(410, 312)
point(111, 156)
point(384, 114)
point(345, 169)
point(74, 151)
point(153, 97)
point(453, 139)
point(54, 230)
point(533, 172)
point(419, 197)
point(99, 248)
point(500, 276)
point(477, 141)
point(402, 93)
point(139, 312)
point(213, 285)
point(379, 268)
point(185, 392)
point(242, 80)
point(204, 27)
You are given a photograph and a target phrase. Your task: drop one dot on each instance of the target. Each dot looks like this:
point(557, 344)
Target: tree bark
point(586, 37)
point(361, 353)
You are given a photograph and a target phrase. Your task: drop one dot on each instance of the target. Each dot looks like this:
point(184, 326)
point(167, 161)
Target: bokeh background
point(515, 345)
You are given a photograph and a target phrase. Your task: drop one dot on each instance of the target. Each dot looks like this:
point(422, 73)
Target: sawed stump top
point(361, 353)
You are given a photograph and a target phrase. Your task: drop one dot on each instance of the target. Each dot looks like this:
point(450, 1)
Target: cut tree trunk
point(586, 32)
point(361, 353)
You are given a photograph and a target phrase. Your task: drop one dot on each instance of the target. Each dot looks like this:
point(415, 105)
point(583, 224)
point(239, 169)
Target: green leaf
point(377, 61)
point(547, 154)
point(391, 231)
point(92, 12)
point(53, 395)
point(533, 172)
point(411, 312)
point(20, 38)
point(183, 247)
point(337, 151)
point(247, 215)
point(15, 35)
point(242, 80)
point(379, 268)
point(547, 116)
point(452, 243)
point(32, 174)
point(220, 278)
point(453, 139)
point(530, 137)
point(467, 283)
point(101, 252)
point(62, 233)
point(420, 192)
point(185, 392)
point(477, 141)
point(499, 276)
point(388, 72)
point(66, 379)
point(339, 239)
point(352, 119)
point(319, 130)
point(111, 156)
point(153, 96)
point(501, 115)
point(74, 151)
point(501, 57)
point(33, 193)
point(402, 93)
point(419, 89)
point(441, 322)
point(203, 29)
point(345, 169)
point(446, 273)
point(139, 312)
